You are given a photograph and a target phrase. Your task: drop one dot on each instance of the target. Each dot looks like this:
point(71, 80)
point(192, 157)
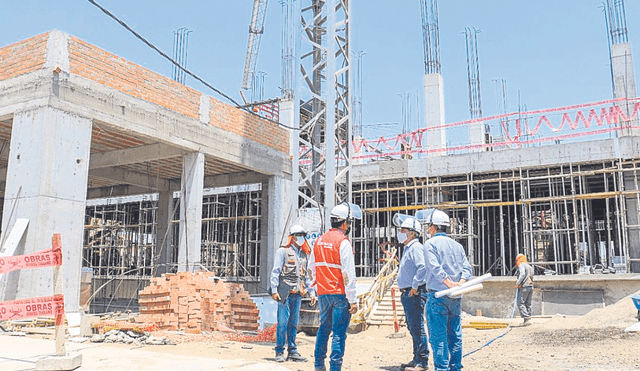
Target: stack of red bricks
point(197, 302)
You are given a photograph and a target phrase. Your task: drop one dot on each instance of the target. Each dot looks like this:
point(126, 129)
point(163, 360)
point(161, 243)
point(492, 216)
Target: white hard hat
point(297, 229)
point(433, 216)
point(346, 211)
point(408, 222)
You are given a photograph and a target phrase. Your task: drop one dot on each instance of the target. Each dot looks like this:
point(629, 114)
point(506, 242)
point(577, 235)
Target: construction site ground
point(595, 341)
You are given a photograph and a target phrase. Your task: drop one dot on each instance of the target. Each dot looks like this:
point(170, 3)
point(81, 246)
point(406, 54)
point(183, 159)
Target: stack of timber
point(196, 302)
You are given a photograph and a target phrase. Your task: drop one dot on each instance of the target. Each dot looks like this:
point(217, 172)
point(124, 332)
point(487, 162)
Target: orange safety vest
point(326, 251)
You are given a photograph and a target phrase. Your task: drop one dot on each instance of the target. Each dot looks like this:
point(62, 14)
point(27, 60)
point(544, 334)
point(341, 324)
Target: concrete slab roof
point(143, 122)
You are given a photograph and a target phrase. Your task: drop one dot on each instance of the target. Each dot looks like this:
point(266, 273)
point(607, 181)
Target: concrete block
point(56, 363)
point(86, 323)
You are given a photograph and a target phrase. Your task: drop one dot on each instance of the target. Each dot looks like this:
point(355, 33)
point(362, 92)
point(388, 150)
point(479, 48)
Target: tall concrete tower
point(624, 85)
point(433, 84)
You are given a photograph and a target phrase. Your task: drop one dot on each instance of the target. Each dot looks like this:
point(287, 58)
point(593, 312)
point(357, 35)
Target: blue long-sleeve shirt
point(444, 258)
point(412, 270)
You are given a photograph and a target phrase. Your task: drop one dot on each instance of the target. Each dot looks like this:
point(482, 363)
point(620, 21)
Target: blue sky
point(550, 52)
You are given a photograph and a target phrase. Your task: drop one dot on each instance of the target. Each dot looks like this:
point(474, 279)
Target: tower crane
point(256, 29)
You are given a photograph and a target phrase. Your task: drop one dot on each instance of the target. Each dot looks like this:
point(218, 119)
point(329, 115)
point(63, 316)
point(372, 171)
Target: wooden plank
point(12, 241)
point(56, 243)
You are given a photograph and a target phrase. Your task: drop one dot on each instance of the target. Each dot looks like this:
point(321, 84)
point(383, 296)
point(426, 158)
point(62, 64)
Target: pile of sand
point(621, 314)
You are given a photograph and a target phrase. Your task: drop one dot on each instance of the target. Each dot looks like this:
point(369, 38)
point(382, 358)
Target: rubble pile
point(196, 302)
point(129, 337)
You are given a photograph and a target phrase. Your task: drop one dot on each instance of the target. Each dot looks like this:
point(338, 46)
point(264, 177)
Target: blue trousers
point(445, 332)
point(288, 316)
point(334, 317)
point(414, 314)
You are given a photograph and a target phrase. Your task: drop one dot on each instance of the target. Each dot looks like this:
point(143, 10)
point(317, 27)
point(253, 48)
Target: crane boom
point(256, 29)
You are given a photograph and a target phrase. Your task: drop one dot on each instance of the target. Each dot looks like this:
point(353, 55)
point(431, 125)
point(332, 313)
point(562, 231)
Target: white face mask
point(402, 237)
point(300, 240)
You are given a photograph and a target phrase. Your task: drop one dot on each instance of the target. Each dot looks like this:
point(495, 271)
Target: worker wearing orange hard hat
point(524, 284)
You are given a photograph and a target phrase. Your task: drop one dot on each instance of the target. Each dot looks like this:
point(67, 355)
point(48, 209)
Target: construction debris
point(130, 337)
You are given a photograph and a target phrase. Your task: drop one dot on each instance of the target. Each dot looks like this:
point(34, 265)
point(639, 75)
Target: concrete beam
point(233, 179)
point(127, 113)
point(211, 181)
point(135, 155)
point(116, 191)
point(131, 177)
point(503, 160)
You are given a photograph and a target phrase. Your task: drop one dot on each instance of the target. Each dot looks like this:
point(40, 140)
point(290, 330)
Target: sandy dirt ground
point(595, 341)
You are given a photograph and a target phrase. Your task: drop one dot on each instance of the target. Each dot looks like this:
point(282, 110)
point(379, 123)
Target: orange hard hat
point(520, 258)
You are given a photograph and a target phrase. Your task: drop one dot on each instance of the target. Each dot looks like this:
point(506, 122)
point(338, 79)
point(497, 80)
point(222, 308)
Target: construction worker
point(411, 275)
point(524, 284)
point(447, 267)
point(289, 283)
point(332, 264)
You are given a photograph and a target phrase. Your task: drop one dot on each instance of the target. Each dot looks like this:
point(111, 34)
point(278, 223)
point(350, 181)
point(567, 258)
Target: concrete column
point(164, 231)
point(191, 211)
point(624, 85)
point(434, 113)
point(47, 184)
point(287, 118)
point(276, 217)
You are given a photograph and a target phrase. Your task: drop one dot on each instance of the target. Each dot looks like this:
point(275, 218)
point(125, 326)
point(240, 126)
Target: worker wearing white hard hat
point(447, 267)
point(332, 264)
point(411, 275)
point(289, 283)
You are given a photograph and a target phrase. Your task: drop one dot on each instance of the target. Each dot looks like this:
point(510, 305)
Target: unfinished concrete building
point(79, 123)
point(143, 176)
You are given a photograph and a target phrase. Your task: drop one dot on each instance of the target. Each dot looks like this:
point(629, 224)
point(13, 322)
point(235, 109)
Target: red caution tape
point(45, 258)
point(33, 307)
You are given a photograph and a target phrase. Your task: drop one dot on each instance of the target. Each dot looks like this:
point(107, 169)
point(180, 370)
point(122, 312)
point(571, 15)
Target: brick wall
point(108, 69)
point(248, 125)
point(23, 57)
point(91, 62)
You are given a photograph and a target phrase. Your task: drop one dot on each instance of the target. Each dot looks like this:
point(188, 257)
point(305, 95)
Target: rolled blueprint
point(471, 282)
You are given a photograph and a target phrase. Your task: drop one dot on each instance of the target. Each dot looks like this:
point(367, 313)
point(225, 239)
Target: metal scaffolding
point(120, 239)
point(231, 234)
point(121, 242)
point(567, 218)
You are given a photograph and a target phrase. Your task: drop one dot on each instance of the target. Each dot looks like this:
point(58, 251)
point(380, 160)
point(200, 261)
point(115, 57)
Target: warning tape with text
point(40, 259)
point(32, 307)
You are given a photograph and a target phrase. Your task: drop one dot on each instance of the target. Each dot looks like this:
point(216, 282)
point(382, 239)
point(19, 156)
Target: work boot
point(296, 357)
point(279, 357)
point(408, 364)
point(417, 368)
point(526, 322)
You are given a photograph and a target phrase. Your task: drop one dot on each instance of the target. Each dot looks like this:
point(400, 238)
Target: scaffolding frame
point(566, 218)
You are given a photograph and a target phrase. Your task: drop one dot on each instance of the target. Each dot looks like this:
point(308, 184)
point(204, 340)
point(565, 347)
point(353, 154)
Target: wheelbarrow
point(636, 302)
